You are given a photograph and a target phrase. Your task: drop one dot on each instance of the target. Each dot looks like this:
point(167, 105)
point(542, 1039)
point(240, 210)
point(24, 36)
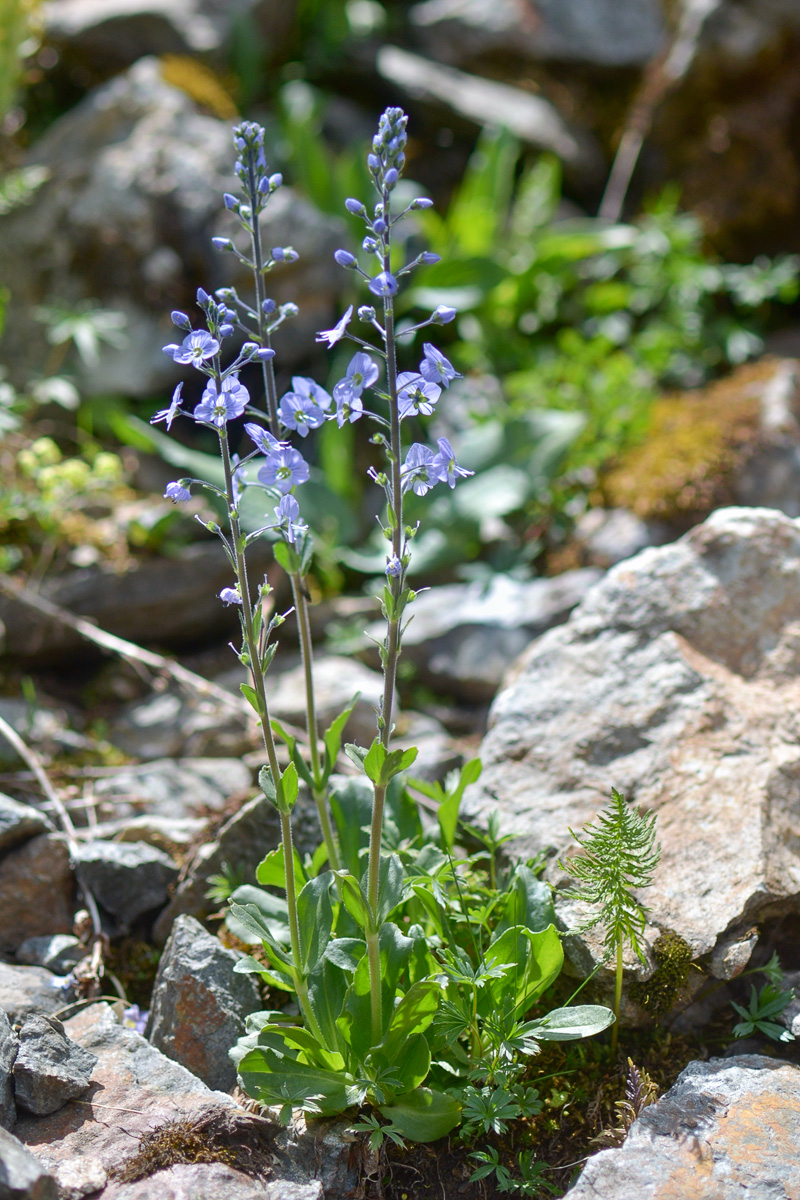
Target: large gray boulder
point(136, 176)
point(675, 681)
point(727, 1130)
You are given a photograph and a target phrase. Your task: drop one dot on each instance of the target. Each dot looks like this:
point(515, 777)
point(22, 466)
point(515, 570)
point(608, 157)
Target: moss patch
point(673, 958)
point(235, 1138)
point(697, 441)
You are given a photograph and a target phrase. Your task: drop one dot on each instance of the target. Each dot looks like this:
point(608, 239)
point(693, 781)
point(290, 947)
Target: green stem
point(617, 999)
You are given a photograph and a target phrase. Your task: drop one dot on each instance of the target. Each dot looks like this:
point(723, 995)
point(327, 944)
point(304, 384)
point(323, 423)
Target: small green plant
point(531, 1181)
point(766, 1003)
point(619, 854)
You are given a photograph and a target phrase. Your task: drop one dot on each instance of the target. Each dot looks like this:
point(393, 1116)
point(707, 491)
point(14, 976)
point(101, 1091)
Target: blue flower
point(287, 513)
point(134, 1018)
point(417, 471)
point(436, 368)
point(284, 469)
point(348, 409)
point(384, 284)
point(194, 349)
point(264, 439)
point(177, 493)
point(415, 395)
point(300, 413)
point(444, 465)
point(303, 386)
point(218, 407)
point(361, 373)
point(442, 315)
point(332, 336)
point(230, 596)
point(169, 414)
point(394, 567)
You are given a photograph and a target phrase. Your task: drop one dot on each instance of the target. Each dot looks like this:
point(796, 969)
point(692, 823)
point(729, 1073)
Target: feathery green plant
point(619, 853)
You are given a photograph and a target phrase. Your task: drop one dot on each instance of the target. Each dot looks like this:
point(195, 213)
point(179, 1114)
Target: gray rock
point(58, 954)
point(483, 102)
point(675, 682)
point(437, 752)
point(50, 1068)
point(176, 725)
point(198, 1181)
point(166, 601)
point(18, 822)
point(128, 879)
point(336, 681)
point(9, 1044)
point(725, 1130)
point(610, 535)
point(44, 728)
point(172, 789)
point(136, 177)
point(22, 1176)
point(610, 33)
point(199, 1005)
point(465, 635)
point(36, 890)
point(26, 991)
point(241, 843)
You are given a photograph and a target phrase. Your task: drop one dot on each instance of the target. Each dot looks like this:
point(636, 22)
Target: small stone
point(128, 879)
point(50, 1068)
point(197, 1181)
point(9, 1044)
point(199, 1004)
point(22, 1176)
point(58, 954)
point(19, 822)
point(730, 956)
point(36, 890)
point(81, 1177)
point(26, 991)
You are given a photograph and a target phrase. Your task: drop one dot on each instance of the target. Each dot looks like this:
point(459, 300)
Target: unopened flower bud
point(442, 315)
point(370, 245)
point(289, 310)
point(264, 353)
point(229, 201)
point(180, 319)
point(263, 185)
point(366, 313)
point(202, 298)
point(374, 163)
point(249, 350)
point(355, 207)
point(222, 243)
point(225, 330)
point(379, 225)
point(421, 202)
point(345, 259)
point(275, 181)
point(428, 257)
point(401, 161)
point(268, 307)
point(390, 178)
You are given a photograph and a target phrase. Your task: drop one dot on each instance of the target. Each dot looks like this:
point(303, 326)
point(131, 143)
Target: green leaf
point(536, 960)
point(412, 1015)
point(374, 760)
point(302, 1039)
point(315, 920)
point(423, 1115)
point(270, 872)
point(356, 754)
point(332, 737)
point(528, 901)
point(390, 885)
point(351, 808)
point(251, 696)
point(569, 1024)
point(287, 556)
point(354, 900)
point(355, 1021)
point(327, 988)
point(273, 1078)
point(409, 1069)
point(289, 787)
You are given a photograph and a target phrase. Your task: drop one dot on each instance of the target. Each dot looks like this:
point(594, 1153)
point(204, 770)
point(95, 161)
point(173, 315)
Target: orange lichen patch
point(763, 1132)
point(199, 83)
point(697, 441)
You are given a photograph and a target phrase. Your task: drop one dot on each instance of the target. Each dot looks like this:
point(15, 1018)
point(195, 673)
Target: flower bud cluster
point(252, 171)
point(388, 149)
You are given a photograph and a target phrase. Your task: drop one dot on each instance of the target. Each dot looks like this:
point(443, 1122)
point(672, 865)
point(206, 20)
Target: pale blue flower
point(303, 386)
point(177, 493)
point(348, 409)
point(300, 413)
point(287, 513)
point(443, 314)
point(361, 373)
point(415, 395)
point(332, 336)
point(417, 471)
point(284, 469)
point(194, 349)
point(134, 1018)
point(436, 368)
point(394, 567)
point(383, 284)
point(218, 407)
point(263, 439)
point(230, 596)
point(444, 465)
point(169, 414)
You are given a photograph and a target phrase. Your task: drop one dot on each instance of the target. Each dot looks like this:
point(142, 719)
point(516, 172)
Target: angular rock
point(483, 102)
point(9, 1044)
point(128, 879)
point(199, 1005)
point(606, 32)
point(28, 991)
point(22, 1176)
point(200, 1181)
point(19, 822)
point(676, 681)
point(36, 890)
point(136, 175)
point(170, 788)
point(174, 725)
point(49, 1068)
point(241, 843)
point(464, 635)
point(58, 954)
point(727, 1130)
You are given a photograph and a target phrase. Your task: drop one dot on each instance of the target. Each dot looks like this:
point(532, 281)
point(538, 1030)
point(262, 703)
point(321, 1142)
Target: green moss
point(673, 958)
point(696, 443)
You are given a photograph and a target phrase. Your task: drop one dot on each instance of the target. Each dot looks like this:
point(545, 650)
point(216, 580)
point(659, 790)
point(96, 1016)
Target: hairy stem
point(617, 999)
